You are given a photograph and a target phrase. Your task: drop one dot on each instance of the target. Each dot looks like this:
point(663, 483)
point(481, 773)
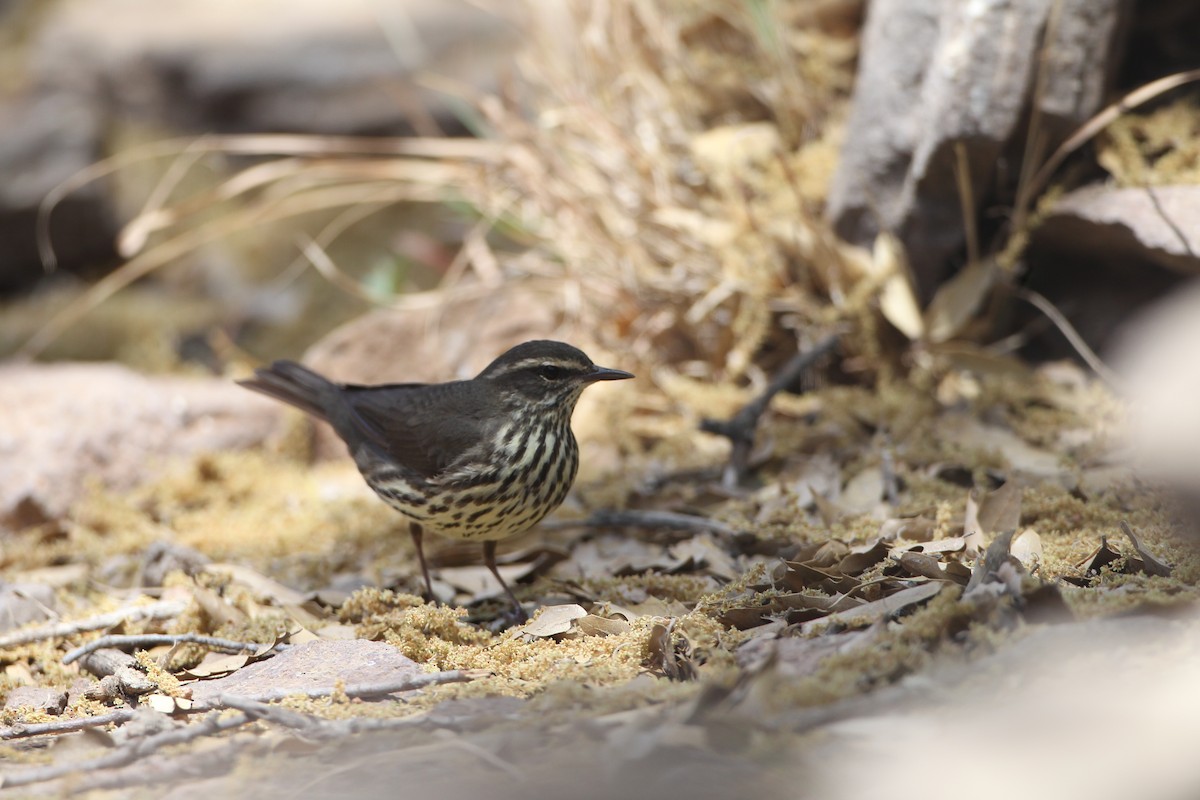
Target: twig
point(357, 689)
point(364, 690)
point(126, 754)
point(1103, 118)
point(147, 640)
point(740, 429)
point(311, 727)
point(162, 609)
point(642, 519)
point(21, 730)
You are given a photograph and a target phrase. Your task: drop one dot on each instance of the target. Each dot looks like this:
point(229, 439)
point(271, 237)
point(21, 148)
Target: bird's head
point(546, 374)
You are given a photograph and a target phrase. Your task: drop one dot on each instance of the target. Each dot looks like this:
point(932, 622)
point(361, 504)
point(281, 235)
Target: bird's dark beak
point(606, 374)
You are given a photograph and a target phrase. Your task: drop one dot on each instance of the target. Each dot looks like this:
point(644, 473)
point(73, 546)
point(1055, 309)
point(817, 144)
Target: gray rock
point(313, 665)
point(40, 698)
point(64, 425)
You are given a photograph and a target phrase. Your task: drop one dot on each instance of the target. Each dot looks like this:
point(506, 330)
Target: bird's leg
point(417, 532)
point(489, 558)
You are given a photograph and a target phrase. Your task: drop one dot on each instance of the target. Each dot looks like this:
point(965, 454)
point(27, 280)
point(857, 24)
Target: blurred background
point(993, 206)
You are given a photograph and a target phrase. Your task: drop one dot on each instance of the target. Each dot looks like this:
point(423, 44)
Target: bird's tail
point(296, 385)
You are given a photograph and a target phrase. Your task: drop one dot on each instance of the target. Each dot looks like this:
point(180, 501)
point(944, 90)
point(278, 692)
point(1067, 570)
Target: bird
point(482, 459)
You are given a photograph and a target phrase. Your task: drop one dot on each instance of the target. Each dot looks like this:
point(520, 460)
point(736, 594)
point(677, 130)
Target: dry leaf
point(1150, 564)
point(702, 551)
point(1099, 558)
point(864, 492)
point(917, 529)
point(216, 664)
point(1000, 510)
point(592, 625)
point(897, 301)
point(670, 657)
point(862, 559)
point(259, 584)
point(552, 620)
point(922, 565)
point(165, 704)
point(828, 554)
point(1027, 548)
point(829, 511)
point(958, 299)
point(886, 607)
point(952, 544)
point(972, 530)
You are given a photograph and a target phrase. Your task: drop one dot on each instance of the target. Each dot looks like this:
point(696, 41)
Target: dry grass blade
point(1068, 330)
point(291, 203)
point(471, 150)
point(1099, 122)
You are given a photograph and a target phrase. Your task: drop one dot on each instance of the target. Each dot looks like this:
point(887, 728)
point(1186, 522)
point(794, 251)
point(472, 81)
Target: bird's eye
point(551, 372)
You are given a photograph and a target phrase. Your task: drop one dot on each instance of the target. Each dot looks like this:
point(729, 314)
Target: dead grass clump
point(667, 168)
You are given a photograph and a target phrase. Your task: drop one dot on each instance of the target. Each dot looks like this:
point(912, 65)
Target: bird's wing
point(424, 427)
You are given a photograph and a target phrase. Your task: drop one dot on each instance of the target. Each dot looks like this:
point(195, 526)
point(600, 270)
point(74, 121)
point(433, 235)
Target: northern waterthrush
point(481, 459)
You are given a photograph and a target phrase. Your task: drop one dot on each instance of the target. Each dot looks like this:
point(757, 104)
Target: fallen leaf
point(917, 529)
point(957, 300)
point(1021, 456)
point(552, 620)
point(1099, 558)
point(166, 704)
point(703, 551)
point(1150, 564)
point(886, 607)
point(921, 564)
point(259, 584)
point(1027, 548)
point(897, 300)
point(668, 655)
point(803, 576)
point(862, 559)
point(863, 492)
point(949, 545)
point(1000, 510)
point(592, 625)
point(972, 530)
point(829, 554)
point(987, 567)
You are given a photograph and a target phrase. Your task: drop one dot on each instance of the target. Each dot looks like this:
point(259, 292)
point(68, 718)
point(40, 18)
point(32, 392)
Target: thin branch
point(163, 609)
point(1101, 120)
point(363, 690)
point(20, 730)
point(740, 429)
point(148, 640)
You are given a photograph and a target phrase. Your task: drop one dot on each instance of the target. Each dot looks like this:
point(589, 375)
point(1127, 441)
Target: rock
point(39, 698)
point(937, 74)
point(65, 425)
point(1105, 223)
point(313, 665)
